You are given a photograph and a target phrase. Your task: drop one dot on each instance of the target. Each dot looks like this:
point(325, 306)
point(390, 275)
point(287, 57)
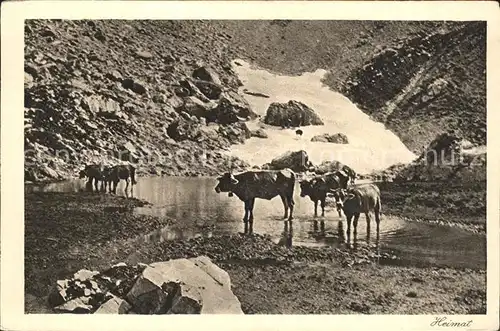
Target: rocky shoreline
point(313, 280)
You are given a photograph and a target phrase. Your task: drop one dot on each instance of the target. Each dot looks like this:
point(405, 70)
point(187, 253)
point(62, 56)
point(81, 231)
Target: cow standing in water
point(318, 188)
point(119, 172)
point(363, 198)
point(94, 173)
point(263, 184)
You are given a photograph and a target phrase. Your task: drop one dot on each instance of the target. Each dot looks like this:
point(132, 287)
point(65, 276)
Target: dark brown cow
point(263, 184)
point(318, 188)
point(363, 198)
point(94, 173)
point(119, 172)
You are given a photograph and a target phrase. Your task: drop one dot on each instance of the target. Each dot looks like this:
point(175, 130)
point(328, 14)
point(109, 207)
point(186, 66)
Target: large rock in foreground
point(182, 286)
point(297, 161)
point(293, 113)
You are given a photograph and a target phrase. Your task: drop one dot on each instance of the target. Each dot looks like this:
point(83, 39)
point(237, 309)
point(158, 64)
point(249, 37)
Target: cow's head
point(82, 174)
point(226, 183)
point(305, 187)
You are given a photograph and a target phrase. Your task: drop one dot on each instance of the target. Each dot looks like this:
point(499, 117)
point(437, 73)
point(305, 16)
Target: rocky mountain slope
point(163, 93)
point(427, 85)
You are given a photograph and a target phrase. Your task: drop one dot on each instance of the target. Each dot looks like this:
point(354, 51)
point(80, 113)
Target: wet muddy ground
point(68, 231)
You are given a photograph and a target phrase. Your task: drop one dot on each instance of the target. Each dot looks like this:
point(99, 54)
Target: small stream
point(200, 212)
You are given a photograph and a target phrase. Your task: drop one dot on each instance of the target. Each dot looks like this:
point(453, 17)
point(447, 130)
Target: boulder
point(210, 90)
point(147, 295)
point(293, 113)
point(84, 274)
point(296, 161)
point(186, 299)
point(79, 305)
point(236, 133)
point(207, 74)
point(115, 75)
point(337, 138)
point(28, 80)
point(135, 86)
point(259, 133)
point(188, 88)
point(114, 305)
point(144, 55)
point(195, 107)
point(182, 286)
point(97, 104)
point(231, 109)
point(183, 129)
point(327, 166)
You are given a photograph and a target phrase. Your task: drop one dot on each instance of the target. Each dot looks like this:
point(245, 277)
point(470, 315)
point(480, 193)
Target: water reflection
point(199, 211)
point(287, 234)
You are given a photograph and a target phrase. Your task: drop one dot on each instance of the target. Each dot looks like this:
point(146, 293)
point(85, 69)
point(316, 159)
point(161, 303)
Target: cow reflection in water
point(287, 234)
point(354, 243)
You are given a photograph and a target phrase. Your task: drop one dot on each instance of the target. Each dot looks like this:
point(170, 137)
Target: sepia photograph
point(255, 167)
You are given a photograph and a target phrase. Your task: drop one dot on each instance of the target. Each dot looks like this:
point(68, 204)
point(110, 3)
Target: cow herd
point(108, 176)
point(350, 198)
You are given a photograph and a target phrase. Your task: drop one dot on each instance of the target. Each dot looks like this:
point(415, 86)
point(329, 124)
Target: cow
point(350, 173)
point(299, 132)
point(263, 184)
point(94, 173)
point(119, 172)
point(318, 188)
point(106, 179)
point(363, 198)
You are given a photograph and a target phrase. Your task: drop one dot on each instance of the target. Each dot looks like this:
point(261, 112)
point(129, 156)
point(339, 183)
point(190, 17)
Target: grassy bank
point(69, 231)
point(462, 205)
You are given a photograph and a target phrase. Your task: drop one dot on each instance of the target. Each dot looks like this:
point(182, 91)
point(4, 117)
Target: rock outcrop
point(259, 133)
point(337, 138)
point(426, 85)
point(293, 113)
point(180, 286)
point(449, 157)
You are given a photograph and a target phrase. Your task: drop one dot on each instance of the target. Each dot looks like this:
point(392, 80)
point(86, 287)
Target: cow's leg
point(245, 217)
point(96, 184)
point(368, 221)
point(128, 182)
point(291, 203)
point(250, 219)
point(315, 208)
point(323, 206)
point(115, 182)
point(285, 205)
point(355, 223)
point(349, 219)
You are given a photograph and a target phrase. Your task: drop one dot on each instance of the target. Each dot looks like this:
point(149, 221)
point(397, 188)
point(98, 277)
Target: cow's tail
point(132, 175)
point(378, 208)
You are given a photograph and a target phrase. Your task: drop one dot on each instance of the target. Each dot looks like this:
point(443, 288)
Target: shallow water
point(371, 146)
point(200, 211)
